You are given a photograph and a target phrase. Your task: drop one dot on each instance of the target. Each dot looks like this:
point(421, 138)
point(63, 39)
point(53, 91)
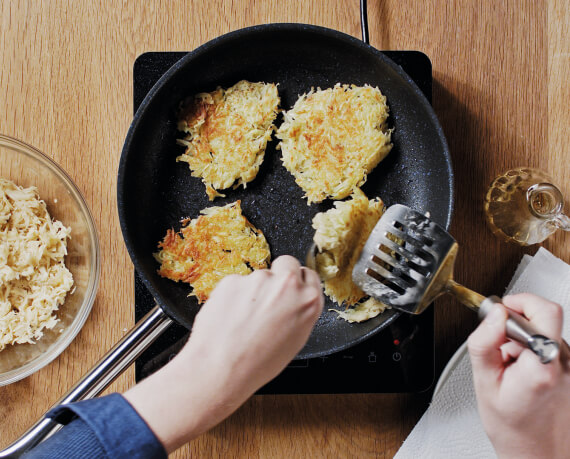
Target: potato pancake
point(227, 133)
point(332, 138)
point(208, 248)
point(340, 235)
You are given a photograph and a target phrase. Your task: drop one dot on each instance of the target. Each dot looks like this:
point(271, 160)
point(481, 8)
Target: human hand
point(245, 334)
point(524, 404)
point(253, 326)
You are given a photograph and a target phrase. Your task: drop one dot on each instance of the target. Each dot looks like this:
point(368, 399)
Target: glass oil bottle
point(523, 206)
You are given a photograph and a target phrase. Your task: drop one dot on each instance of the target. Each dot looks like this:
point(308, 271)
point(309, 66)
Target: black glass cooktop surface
point(398, 359)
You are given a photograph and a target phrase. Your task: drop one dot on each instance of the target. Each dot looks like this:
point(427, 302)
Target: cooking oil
point(523, 206)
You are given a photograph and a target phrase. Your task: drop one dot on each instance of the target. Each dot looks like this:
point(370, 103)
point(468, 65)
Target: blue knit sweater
point(105, 427)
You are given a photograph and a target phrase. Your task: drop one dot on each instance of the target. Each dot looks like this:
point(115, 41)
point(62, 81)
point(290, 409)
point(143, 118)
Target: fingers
point(313, 281)
point(484, 346)
point(565, 356)
point(313, 292)
point(228, 283)
point(310, 277)
point(536, 375)
point(545, 315)
point(511, 351)
point(307, 279)
point(285, 265)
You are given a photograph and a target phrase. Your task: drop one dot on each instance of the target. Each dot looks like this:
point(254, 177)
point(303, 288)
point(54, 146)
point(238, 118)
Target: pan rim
point(228, 38)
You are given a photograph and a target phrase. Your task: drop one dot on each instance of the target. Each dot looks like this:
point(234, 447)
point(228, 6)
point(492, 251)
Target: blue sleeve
point(105, 427)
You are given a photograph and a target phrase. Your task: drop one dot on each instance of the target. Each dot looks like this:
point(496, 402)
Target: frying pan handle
point(103, 373)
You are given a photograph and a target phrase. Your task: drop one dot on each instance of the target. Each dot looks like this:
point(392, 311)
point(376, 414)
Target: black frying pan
point(155, 192)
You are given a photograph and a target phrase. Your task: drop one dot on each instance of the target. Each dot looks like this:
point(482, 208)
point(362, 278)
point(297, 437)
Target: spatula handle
point(521, 330)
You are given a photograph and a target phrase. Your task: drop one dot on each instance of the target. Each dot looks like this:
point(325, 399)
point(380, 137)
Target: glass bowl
point(26, 166)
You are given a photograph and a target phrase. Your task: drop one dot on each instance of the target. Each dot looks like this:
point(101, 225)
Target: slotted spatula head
point(406, 260)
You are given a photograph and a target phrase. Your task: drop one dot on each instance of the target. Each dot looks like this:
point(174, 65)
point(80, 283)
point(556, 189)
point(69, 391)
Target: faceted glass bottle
point(523, 206)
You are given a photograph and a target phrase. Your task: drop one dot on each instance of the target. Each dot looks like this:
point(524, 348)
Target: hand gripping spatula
point(408, 261)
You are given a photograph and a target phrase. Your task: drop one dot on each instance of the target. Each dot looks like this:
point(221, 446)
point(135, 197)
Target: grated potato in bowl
point(30, 169)
point(34, 280)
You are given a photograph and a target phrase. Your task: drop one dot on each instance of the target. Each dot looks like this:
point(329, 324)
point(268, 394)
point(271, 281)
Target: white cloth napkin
point(451, 426)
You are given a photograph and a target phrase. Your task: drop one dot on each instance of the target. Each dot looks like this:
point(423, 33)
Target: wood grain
point(500, 91)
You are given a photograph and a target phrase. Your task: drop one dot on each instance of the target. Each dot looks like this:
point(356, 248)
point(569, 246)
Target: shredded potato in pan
point(332, 138)
point(227, 133)
point(219, 242)
point(340, 235)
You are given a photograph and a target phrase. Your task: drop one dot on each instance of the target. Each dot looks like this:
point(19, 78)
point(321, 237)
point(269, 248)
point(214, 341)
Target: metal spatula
point(408, 261)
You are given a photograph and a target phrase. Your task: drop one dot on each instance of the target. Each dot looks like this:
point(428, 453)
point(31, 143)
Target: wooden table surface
point(500, 90)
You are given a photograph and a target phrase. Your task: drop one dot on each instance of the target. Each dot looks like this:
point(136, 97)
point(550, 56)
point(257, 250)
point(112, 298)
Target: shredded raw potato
point(227, 133)
point(33, 278)
point(332, 138)
point(218, 243)
point(340, 235)
point(363, 311)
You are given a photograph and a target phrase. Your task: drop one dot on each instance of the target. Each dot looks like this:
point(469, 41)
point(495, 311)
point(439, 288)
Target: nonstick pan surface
point(155, 192)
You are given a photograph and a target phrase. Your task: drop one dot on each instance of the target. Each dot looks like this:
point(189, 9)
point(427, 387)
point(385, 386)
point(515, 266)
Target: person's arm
point(104, 427)
point(524, 404)
point(244, 336)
